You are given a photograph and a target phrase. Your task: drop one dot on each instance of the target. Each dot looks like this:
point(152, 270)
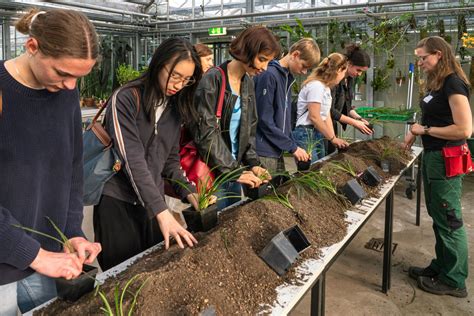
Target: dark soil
point(224, 271)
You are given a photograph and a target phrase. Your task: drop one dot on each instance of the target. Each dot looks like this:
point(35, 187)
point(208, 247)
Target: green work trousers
point(443, 201)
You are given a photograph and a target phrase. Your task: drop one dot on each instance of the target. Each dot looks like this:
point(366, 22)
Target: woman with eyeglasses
point(132, 214)
point(446, 122)
point(230, 143)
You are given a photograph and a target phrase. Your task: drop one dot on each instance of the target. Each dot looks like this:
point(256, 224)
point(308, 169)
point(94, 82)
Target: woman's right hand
point(301, 155)
point(250, 179)
point(170, 227)
point(339, 143)
point(57, 264)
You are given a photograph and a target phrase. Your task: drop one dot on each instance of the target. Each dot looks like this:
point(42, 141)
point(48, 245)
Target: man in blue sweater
point(273, 96)
point(41, 157)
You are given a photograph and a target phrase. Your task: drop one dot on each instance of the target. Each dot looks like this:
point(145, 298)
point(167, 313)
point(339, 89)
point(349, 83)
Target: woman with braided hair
point(314, 105)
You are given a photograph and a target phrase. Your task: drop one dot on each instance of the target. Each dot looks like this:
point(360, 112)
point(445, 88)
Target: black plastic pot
point(283, 249)
point(353, 191)
point(201, 221)
point(303, 165)
point(371, 177)
point(72, 290)
point(279, 180)
point(256, 193)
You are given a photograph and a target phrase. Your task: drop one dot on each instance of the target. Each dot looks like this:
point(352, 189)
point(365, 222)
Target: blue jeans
point(231, 189)
point(35, 290)
point(302, 137)
point(8, 306)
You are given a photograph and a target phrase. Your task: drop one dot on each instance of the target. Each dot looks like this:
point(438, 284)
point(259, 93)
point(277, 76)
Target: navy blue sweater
point(273, 97)
point(40, 171)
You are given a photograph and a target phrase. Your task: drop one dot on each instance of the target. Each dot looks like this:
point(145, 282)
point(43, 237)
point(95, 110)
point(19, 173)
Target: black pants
point(124, 230)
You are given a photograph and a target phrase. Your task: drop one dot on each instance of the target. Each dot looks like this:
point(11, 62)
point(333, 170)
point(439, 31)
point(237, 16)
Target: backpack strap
point(220, 100)
point(98, 129)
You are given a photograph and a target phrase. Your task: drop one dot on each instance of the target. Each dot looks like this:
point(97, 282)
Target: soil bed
point(224, 271)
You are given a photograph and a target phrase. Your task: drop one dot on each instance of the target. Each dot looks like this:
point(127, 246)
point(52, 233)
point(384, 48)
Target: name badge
point(428, 98)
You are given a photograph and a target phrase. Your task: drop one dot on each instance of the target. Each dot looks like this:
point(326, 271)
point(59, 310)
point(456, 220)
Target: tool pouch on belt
point(457, 160)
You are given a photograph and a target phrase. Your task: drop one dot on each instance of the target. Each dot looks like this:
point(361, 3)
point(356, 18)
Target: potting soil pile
point(224, 272)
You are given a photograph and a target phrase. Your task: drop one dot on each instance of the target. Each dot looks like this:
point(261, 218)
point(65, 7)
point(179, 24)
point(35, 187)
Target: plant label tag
point(428, 98)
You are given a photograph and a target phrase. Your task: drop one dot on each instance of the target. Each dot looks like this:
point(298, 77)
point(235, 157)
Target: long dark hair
point(170, 52)
point(357, 56)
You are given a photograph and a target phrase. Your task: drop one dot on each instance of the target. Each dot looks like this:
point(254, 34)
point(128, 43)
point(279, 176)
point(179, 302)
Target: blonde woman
point(314, 104)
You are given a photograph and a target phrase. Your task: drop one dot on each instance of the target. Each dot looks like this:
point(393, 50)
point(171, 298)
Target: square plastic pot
point(282, 251)
point(353, 191)
point(72, 290)
point(201, 221)
point(256, 193)
point(303, 165)
point(371, 177)
point(277, 181)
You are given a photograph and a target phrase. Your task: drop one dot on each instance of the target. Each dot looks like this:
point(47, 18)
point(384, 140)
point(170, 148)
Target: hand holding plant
point(262, 173)
point(57, 264)
point(301, 155)
point(193, 199)
point(170, 227)
point(86, 250)
point(250, 179)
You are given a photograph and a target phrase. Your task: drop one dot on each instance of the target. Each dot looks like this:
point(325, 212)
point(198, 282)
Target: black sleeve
point(454, 85)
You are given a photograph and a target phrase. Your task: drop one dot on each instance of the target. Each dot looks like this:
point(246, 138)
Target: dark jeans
point(124, 230)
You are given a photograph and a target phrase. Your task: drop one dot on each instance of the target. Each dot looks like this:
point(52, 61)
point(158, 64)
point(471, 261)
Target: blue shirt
point(234, 127)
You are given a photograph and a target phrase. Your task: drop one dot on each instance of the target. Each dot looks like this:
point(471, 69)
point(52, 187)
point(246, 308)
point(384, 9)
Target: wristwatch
point(426, 130)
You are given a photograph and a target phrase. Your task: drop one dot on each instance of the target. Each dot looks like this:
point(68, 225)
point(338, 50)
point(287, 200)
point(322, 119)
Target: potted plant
point(126, 73)
point(390, 160)
point(352, 190)
point(69, 290)
point(260, 191)
point(205, 218)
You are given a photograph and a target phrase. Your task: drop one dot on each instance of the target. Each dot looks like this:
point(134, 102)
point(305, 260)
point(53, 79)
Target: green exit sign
point(214, 31)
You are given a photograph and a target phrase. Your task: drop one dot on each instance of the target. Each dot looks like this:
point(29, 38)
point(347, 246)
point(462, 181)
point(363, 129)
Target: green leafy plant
point(207, 187)
point(311, 143)
point(63, 240)
point(280, 198)
point(119, 298)
point(345, 166)
point(126, 73)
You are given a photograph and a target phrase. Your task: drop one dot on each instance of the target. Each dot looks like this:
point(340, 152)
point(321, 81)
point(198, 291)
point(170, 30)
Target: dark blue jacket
point(273, 97)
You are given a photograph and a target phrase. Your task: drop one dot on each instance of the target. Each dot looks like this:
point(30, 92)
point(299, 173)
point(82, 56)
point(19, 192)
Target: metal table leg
point(387, 249)
point(318, 296)
point(418, 190)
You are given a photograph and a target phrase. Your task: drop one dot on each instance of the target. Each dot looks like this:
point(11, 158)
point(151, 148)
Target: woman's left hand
point(86, 251)
point(417, 129)
point(262, 173)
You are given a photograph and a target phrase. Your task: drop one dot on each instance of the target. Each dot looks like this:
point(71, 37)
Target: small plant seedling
point(119, 298)
point(345, 166)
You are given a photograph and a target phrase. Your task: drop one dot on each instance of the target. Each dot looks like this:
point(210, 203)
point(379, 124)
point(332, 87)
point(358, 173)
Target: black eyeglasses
point(177, 78)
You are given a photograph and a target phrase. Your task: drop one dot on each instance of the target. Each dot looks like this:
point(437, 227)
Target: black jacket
point(151, 154)
point(342, 95)
point(206, 131)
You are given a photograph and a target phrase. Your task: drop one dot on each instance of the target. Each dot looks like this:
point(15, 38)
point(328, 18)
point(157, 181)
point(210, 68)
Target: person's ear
point(32, 46)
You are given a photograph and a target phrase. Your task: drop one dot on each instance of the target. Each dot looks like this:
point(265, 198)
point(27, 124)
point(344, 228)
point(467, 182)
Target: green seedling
point(119, 298)
point(345, 166)
point(280, 198)
point(63, 240)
